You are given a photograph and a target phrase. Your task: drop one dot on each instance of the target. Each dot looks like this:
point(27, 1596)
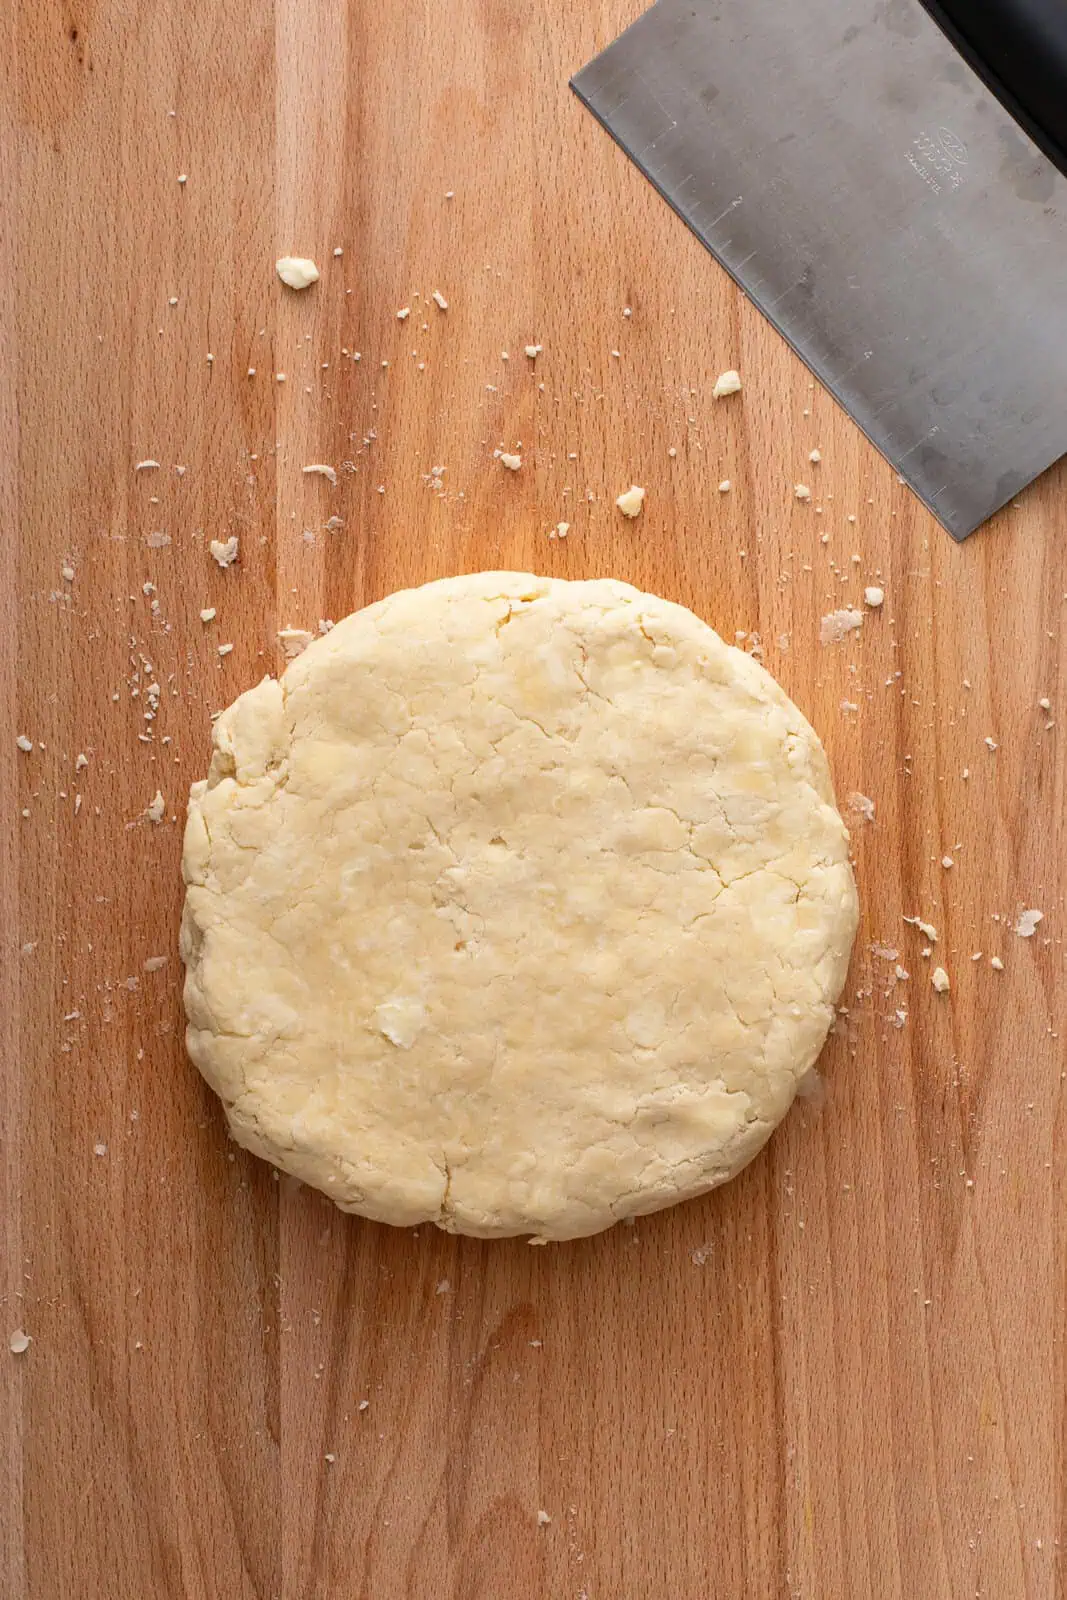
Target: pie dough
point(516, 905)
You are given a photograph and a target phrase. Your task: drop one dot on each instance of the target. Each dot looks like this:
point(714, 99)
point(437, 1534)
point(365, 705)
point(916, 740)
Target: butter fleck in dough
point(516, 905)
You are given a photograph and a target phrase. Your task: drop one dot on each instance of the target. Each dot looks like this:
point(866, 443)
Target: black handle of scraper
point(1019, 47)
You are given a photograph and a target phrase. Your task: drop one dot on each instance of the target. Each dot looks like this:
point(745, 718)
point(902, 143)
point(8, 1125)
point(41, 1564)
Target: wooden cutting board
point(841, 1376)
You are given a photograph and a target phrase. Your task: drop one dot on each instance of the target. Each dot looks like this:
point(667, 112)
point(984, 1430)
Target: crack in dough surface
point(516, 905)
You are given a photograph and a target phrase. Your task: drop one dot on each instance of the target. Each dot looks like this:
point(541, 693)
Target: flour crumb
point(19, 1342)
point(403, 314)
point(726, 383)
point(725, 486)
point(1026, 926)
point(322, 469)
point(543, 1519)
point(444, 1287)
point(294, 641)
point(940, 980)
point(927, 929)
point(560, 531)
point(66, 572)
point(25, 744)
point(363, 1405)
point(297, 272)
point(836, 625)
point(155, 964)
point(208, 614)
point(146, 466)
point(874, 597)
point(225, 550)
point(861, 805)
point(225, 649)
point(155, 808)
point(990, 742)
point(631, 501)
point(815, 457)
point(512, 462)
point(534, 350)
point(81, 761)
point(439, 300)
point(996, 963)
point(801, 491)
point(947, 861)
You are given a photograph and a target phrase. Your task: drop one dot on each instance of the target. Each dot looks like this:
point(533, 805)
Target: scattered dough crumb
point(513, 463)
point(837, 624)
point(443, 1287)
point(874, 596)
point(25, 744)
point(1026, 926)
point(403, 314)
point(927, 929)
point(801, 491)
point(939, 979)
point(560, 531)
point(726, 383)
point(725, 486)
point(81, 761)
point(323, 470)
point(67, 572)
point(543, 1519)
point(156, 806)
point(294, 641)
point(815, 457)
point(155, 964)
point(224, 649)
point(208, 614)
point(947, 861)
point(298, 272)
point(996, 963)
point(225, 550)
point(439, 300)
point(145, 466)
point(534, 350)
point(19, 1342)
point(631, 502)
point(991, 743)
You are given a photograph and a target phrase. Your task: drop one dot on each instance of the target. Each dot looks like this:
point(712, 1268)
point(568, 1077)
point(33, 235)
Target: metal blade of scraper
point(874, 199)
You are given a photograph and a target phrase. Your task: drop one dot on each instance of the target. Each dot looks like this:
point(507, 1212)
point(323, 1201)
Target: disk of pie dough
point(516, 905)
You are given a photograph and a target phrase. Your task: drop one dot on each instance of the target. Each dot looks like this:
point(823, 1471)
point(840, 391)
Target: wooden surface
point(841, 1376)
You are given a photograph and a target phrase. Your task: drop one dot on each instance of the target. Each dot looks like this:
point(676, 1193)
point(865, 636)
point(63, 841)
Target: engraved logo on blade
point(954, 148)
point(939, 159)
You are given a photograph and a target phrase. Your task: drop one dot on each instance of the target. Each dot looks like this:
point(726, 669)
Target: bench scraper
point(885, 180)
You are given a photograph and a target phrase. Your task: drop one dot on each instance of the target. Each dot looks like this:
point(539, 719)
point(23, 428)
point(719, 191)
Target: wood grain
point(841, 1376)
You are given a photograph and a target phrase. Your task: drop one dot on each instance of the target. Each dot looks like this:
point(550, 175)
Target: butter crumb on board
point(297, 272)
